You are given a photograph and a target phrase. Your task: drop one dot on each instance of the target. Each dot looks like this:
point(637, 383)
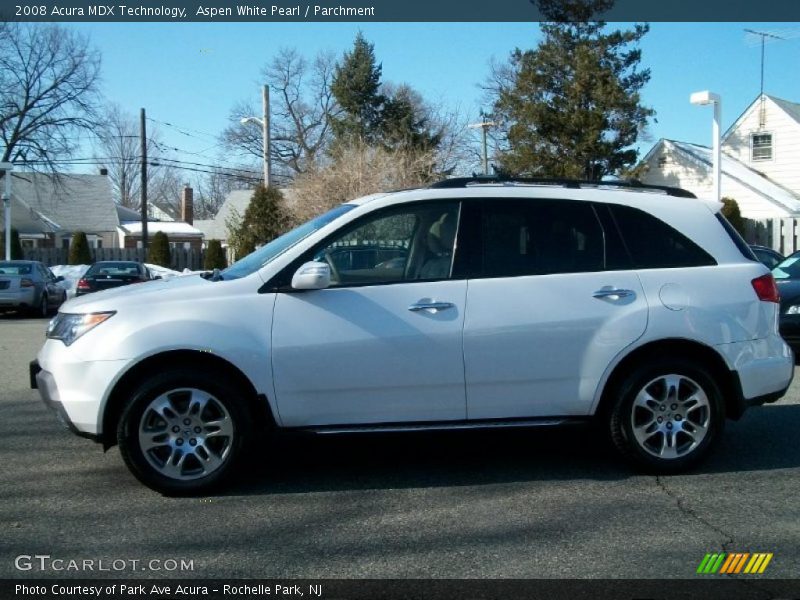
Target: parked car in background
point(768, 257)
point(787, 277)
point(475, 303)
point(109, 274)
point(29, 286)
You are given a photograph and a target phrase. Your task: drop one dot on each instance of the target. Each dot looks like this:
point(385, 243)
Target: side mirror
point(312, 276)
point(59, 278)
point(156, 277)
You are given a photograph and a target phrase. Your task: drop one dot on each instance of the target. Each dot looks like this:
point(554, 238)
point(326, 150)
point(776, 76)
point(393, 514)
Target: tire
point(41, 310)
point(667, 415)
point(191, 451)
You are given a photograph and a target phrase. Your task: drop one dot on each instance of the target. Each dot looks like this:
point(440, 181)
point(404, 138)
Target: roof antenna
point(762, 116)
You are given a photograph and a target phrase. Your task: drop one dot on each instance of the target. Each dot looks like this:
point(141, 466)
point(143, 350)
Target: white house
point(760, 161)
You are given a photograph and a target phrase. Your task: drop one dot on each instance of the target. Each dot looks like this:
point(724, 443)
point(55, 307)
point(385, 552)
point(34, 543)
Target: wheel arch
point(195, 359)
point(726, 379)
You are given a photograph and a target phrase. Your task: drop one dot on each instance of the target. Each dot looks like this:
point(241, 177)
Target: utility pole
point(265, 133)
point(6, 168)
point(484, 125)
point(764, 35)
point(143, 141)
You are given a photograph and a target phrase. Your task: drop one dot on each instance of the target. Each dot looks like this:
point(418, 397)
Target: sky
point(190, 74)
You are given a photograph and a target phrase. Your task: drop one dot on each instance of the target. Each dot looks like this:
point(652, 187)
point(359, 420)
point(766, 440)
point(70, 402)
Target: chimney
point(187, 205)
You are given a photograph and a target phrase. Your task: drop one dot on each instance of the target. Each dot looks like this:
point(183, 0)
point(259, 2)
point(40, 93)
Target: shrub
point(215, 256)
point(79, 253)
point(158, 252)
point(730, 210)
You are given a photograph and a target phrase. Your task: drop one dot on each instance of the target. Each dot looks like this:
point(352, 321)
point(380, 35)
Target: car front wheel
point(667, 415)
point(183, 431)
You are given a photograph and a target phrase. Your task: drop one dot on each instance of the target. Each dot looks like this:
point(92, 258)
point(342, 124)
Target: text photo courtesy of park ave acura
point(348, 300)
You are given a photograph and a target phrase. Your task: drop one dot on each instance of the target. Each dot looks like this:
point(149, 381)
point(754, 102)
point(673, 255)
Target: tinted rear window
point(655, 245)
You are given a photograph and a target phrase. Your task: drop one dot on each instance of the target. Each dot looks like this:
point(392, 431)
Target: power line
point(183, 130)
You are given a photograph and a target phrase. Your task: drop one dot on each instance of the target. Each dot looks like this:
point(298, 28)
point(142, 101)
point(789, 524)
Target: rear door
point(552, 305)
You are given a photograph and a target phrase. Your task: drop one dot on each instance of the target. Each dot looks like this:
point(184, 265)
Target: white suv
point(470, 303)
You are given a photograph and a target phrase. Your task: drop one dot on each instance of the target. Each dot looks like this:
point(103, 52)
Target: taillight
point(25, 282)
point(766, 289)
point(83, 284)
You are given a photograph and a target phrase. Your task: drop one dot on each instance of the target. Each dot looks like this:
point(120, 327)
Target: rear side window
point(746, 251)
point(655, 245)
point(540, 237)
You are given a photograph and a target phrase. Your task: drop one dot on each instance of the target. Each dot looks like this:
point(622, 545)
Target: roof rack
point(460, 182)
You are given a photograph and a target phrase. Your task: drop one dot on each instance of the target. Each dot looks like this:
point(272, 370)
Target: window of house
point(761, 146)
point(662, 162)
point(65, 243)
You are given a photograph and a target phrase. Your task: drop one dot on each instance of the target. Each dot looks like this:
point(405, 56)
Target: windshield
point(255, 260)
point(789, 268)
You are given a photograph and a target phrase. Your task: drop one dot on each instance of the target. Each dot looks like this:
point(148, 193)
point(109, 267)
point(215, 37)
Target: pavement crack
point(683, 506)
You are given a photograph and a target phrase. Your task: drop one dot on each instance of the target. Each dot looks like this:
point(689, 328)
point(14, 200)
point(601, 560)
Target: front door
point(383, 344)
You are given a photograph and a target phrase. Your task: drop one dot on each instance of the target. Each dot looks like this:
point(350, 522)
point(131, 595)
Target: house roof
point(236, 203)
point(64, 202)
point(176, 228)
point(738, 171)
point(792, 109)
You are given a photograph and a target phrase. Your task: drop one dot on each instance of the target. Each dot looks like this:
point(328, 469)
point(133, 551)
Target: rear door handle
point(430, 306)
point(613, 293)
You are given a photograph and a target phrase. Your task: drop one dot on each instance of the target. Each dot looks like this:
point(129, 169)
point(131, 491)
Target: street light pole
point(702, 99)
point(264, 122)
point(7, 167)
point(484, 125)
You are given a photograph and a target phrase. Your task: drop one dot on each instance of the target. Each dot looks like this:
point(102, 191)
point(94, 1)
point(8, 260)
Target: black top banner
point(276, 11)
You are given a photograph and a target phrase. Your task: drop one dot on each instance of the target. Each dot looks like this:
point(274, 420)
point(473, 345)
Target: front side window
point(412, 243)
point(540, 237)
point(761, 146)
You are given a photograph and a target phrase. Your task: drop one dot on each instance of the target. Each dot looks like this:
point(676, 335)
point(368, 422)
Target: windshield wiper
point(214, 275)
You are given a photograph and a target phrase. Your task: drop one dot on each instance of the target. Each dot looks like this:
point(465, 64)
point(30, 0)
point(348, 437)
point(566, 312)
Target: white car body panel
point(359, 355)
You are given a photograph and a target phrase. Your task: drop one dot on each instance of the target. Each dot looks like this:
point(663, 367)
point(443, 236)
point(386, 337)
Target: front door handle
point(430, 306)
point(613, 293)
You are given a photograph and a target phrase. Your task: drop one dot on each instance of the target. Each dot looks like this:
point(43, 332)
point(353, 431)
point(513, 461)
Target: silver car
point(29, 286)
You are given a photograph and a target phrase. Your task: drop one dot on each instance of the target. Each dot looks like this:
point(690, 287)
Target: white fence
point(778, 234)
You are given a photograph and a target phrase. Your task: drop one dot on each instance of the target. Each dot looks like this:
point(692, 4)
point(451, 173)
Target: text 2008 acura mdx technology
point(469, 303)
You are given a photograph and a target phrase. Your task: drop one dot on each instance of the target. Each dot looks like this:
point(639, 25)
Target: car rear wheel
point(182, 432)
point(667, 415)
point(42, 309)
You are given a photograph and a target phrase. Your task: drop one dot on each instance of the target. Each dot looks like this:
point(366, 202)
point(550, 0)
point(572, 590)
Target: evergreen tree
point(730, 210)
point(356, 87)
point(215, 256)
point(158, 253)
point(404, 124)
point(79, 253)
point(265, 219)
point(16, 247)
point(571, 107)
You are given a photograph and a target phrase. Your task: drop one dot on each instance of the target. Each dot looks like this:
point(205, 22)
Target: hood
point(138, 294)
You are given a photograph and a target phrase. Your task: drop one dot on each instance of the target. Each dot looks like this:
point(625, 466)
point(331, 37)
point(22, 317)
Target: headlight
point(69, 327)
point(793, 310)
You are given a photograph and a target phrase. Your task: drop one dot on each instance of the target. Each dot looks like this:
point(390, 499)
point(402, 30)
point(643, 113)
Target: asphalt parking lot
point(470, 505)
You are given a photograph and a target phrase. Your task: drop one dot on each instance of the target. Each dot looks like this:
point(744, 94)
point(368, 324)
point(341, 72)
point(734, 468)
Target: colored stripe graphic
point(734, 563)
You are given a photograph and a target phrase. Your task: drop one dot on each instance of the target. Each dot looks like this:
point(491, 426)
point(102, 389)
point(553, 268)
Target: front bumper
point(48, 390)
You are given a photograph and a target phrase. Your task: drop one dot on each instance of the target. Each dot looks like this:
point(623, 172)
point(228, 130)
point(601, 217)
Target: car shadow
point(292, 463)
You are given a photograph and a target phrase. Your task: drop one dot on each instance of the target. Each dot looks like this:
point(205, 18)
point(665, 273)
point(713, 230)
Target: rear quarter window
point(746, 251)
point(653, 244)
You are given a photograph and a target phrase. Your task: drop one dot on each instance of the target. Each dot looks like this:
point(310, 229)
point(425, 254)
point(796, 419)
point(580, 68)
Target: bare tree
point(49, 78)
point(118, 149)
point(301, 104)
point(212, 190)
